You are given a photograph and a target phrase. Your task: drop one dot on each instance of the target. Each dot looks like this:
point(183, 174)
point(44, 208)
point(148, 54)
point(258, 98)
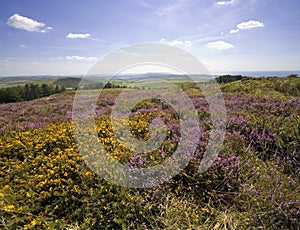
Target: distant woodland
point(28, 92)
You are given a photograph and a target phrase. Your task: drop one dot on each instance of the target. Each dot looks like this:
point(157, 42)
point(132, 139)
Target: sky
point(68, 37)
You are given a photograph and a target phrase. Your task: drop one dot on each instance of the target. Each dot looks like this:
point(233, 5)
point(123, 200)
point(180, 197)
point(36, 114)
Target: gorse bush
point(278, 87)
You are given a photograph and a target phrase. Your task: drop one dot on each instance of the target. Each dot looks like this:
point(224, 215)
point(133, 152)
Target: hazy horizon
point(243, 73)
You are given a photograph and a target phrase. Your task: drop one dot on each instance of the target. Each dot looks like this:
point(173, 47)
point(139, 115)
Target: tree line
point(100, 85)
point(230, 78)
point(74, 82)
point(28, 92)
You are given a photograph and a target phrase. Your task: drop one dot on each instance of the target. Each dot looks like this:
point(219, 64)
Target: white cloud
point(176, 42)
point(225, 3)
point(74, 36)
point(47, 29)
point(220, 45)
point(249, 25)
point(80, 58)
point(233, 31)
point(76, 58)
point(23, 46)
point(24, 23)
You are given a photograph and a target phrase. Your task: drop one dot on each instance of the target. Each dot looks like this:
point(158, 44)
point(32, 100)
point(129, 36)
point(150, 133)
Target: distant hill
point(68, 82)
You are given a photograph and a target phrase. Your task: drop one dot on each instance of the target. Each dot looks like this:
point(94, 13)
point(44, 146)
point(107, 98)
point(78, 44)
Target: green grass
point(275, 87)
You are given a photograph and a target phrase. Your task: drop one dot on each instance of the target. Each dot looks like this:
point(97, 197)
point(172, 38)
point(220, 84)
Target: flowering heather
point(252, 184)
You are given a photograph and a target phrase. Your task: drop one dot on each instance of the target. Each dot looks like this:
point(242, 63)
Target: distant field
point(10, 82)
point(66, 81)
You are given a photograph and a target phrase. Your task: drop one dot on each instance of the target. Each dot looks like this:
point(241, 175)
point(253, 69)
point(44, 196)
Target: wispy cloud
point(247, 25)
point(233, 31)
point(225, 3)
point(82, 36)
point(65, 48)
point(75, 36)
point(23, 46)
point(176, 42)
point(169, 9)
point(143, 3)
point(81, 58)
point(195, 41)
point(75, 58)
point(20, 22)
point(190, 41)
point(220, 45)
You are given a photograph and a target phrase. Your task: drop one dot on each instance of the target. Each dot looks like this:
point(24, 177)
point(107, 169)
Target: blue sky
point(68, 37)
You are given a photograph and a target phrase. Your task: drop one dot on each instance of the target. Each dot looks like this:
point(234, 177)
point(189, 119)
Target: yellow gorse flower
point(9, 208)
